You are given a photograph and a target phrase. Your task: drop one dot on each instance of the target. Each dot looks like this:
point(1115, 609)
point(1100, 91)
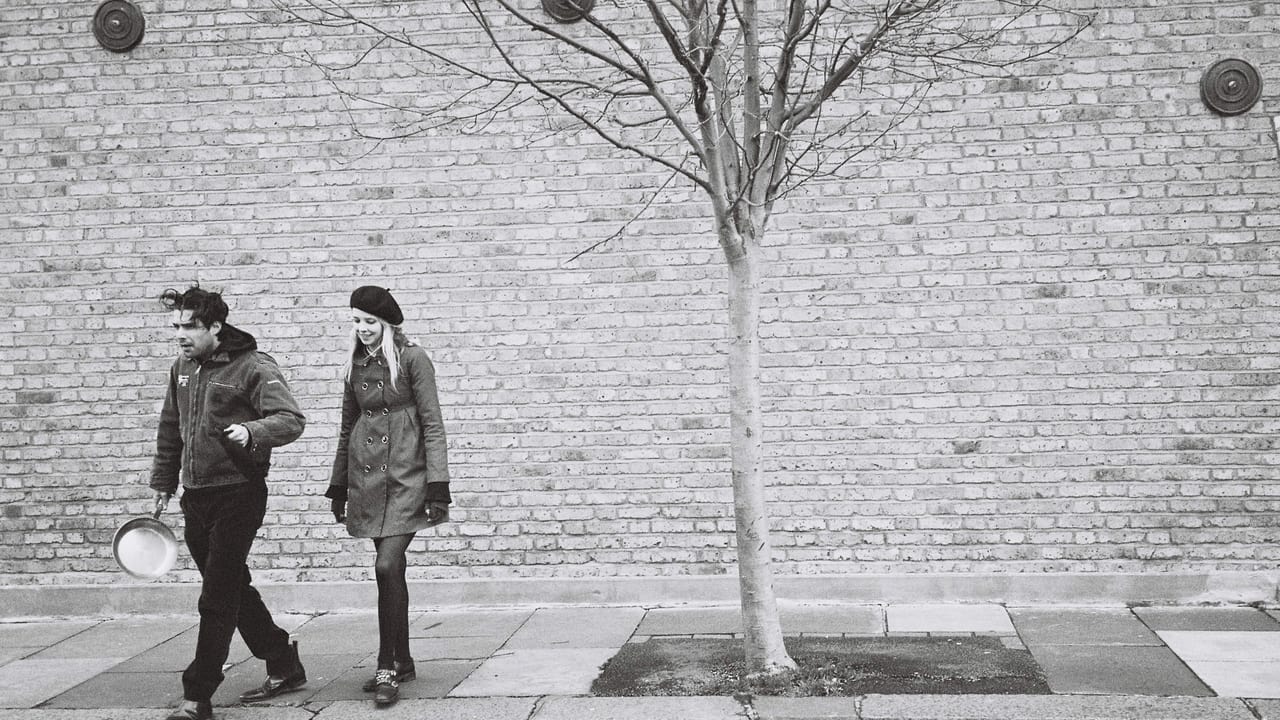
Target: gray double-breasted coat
point(391, 459)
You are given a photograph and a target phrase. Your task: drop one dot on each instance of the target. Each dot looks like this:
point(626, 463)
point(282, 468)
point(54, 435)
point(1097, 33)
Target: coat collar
point(364, 359)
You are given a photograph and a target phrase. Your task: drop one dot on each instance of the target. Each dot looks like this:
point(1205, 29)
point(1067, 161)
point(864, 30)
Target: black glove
point(437, 512)
point(339, 508)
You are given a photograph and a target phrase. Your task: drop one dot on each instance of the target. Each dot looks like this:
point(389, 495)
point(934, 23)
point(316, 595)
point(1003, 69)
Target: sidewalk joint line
point(537, 706)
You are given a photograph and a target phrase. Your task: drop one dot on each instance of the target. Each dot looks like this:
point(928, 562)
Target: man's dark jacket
point(236, 384)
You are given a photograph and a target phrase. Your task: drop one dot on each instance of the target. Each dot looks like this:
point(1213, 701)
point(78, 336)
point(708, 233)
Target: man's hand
point(162, 499)
point(237, 434)
point(339, 508)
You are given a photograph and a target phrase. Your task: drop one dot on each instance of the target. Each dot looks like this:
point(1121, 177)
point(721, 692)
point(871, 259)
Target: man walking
point(227, 405)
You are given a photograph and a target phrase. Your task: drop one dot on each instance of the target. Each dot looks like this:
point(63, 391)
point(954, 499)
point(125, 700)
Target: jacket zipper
point(192, 425)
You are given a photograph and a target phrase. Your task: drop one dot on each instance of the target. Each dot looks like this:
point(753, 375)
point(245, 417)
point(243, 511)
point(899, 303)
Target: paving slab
point(81, 714)
point(807, 708)
point(639, 708)
point(454, 648)
point(477, 623)
point(1207, 618)
point(577, 628)
point(1013, 642)
point(832, 619)
point(436, 678)
point(1050, 707)
point(948, 619)
point(1081, 626)
point(492, 708)
point(123, 690)
point(519, 673)
point(260, 713)
point(119, 638)
point(177, 652)
point(692, 621)
point(41, 633)
point(1116, 670)
point(337, 634)
point(29, 682)
point(1267, 709)
point(16, 653)
point(1240, 679)
point(1223, 645)
point(237, 713)
point(347, 619)
point(291, 621)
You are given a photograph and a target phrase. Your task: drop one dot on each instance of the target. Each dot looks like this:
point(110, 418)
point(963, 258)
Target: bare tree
point(745, 102)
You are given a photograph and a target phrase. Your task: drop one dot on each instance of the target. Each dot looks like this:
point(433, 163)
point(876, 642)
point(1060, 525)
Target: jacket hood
point(233, 341)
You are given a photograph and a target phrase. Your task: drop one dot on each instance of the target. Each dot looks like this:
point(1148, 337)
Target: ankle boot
point(386, 690)
point(404, 673)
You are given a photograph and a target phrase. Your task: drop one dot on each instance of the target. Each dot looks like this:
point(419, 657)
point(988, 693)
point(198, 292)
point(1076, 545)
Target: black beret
point(377, 302)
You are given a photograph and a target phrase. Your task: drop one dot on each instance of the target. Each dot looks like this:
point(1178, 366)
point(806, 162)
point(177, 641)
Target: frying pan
point(144, 547)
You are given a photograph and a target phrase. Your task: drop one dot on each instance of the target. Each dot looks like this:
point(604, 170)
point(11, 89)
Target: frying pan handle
point(160, 503)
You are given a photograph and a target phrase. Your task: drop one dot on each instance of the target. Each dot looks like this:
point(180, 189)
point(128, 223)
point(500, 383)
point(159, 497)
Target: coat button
point(384, 439)
point(386, 411)
point(369, 413)
point(364, 386)
point(367, 468)
point(384, 468)
point(379, 383)
point(368, 441)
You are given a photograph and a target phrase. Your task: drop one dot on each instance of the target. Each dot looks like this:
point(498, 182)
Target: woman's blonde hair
point(393, 339)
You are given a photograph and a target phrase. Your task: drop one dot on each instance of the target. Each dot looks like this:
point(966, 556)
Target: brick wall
point(1045, 339)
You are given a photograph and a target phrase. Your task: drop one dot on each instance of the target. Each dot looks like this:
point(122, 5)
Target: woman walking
point(390, 476)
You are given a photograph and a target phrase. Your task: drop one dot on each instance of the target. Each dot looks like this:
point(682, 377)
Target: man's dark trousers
point(221, 523)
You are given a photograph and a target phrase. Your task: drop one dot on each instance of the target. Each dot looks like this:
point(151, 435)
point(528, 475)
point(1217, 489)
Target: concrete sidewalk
point(538, 663)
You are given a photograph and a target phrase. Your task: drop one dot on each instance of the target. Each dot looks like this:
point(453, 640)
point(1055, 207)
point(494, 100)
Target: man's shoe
point(386, 690)
point(275, 685)
point(404, 673)
point(192, 710)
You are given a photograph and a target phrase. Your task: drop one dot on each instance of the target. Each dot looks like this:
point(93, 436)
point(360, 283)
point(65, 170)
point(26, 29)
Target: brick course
point(1044, 340)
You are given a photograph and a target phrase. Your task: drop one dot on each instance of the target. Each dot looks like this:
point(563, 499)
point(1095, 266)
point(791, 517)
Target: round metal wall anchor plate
point(567, 11)
point(118, 25)
point(1230, 87)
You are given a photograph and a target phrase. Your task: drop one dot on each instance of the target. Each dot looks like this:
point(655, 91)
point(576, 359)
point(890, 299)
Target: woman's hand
point(339, 508)
point(437, 512)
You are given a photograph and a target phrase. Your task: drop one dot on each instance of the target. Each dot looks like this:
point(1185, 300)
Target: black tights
point(393, 600)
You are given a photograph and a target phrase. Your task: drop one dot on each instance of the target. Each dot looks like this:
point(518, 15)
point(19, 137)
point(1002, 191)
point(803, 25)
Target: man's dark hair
point(206, 307)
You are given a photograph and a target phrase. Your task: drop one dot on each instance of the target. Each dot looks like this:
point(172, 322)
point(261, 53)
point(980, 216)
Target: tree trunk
point(765, 651)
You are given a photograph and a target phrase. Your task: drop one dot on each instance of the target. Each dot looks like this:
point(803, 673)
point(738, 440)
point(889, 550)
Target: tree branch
point(575, 112)
point(618, 233)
